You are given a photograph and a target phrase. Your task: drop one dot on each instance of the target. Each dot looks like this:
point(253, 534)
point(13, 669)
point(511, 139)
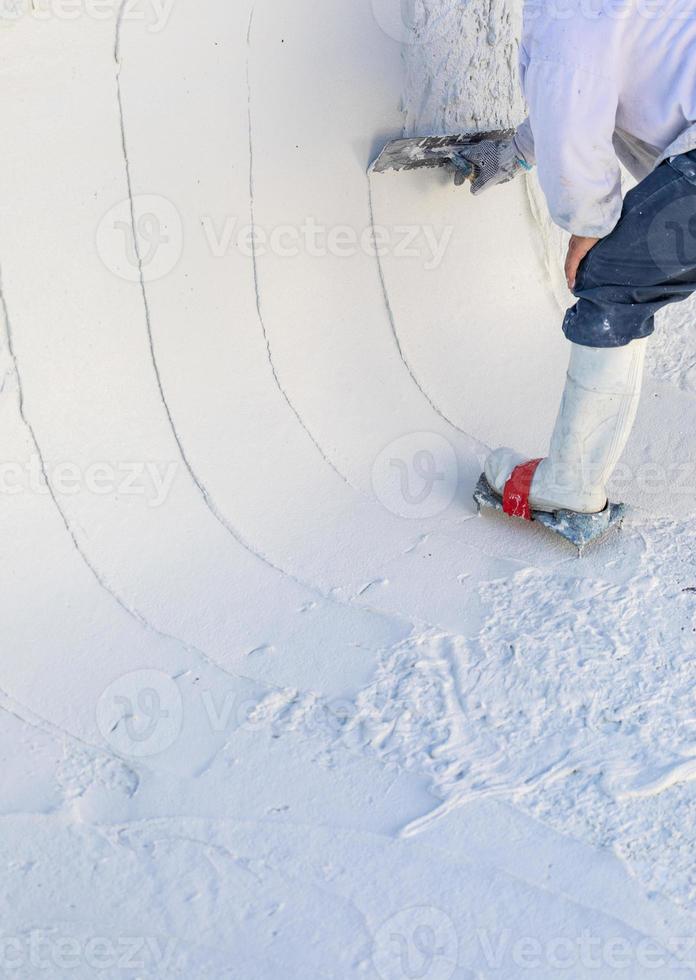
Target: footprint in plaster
point(97, 788)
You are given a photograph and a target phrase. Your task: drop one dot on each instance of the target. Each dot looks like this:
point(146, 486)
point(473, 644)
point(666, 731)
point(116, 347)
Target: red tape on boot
point(516, 493)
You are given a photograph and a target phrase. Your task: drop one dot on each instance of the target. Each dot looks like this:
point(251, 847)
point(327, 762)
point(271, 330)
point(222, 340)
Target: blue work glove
point(488, 163)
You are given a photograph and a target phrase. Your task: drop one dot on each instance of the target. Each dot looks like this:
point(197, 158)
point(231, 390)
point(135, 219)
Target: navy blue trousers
point(647, 262)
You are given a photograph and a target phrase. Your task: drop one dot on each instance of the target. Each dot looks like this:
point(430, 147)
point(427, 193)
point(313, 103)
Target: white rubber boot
point(597, 413)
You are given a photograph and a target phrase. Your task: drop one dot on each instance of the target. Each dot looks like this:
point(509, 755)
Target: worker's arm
point(524, 140)
point(579, 246)
point(572, 115)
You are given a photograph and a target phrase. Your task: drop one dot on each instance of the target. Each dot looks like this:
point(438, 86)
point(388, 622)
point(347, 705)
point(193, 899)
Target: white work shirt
point(605, 81)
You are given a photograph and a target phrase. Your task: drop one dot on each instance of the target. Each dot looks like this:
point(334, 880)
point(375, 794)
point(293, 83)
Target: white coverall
point(604, 80)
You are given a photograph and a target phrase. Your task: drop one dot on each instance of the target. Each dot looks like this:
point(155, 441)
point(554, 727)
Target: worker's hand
point(488, 163)
point(577, 250)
